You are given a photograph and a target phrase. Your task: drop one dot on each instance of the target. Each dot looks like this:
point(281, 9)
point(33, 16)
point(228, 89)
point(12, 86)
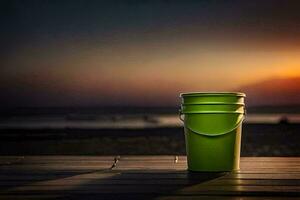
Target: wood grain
point(144, 177)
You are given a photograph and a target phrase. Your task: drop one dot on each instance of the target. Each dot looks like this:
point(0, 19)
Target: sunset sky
point(88, 53)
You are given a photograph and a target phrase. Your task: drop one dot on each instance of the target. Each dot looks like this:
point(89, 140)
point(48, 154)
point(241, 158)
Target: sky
point(142, 53)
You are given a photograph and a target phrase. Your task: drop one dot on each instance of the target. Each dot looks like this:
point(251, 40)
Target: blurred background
point(104, 77)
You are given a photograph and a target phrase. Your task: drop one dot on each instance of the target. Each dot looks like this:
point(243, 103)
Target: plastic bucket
point(213, 131)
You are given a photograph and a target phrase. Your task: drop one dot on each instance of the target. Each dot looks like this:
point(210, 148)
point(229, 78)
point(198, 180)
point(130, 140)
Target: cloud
point(275, 92)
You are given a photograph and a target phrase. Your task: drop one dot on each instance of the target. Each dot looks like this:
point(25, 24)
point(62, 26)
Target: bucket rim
point(196, 94)
point(212, 103)
point(213, 112)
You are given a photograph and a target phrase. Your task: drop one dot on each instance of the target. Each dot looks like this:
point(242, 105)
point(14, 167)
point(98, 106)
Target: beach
point(263, 135)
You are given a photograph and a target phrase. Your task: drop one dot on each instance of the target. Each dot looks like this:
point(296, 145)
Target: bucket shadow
point(105, 184)
point(139, 184)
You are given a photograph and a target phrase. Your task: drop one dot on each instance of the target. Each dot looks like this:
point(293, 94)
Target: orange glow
point(143, 72)
point(291, 72)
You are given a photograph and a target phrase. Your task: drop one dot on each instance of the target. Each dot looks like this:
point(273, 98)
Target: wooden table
point(144, 177)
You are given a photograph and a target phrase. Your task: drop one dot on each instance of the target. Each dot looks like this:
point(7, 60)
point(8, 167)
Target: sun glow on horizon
point(290, 72)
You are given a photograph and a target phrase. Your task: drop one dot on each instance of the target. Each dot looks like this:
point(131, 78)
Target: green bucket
point(213, 130)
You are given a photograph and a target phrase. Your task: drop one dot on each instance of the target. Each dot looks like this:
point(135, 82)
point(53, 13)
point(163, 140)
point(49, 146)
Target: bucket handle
point(222, 133)
point(214, 134)
point(180, 115)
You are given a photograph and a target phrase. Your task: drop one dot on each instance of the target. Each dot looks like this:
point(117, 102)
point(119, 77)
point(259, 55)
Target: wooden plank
point(59, 158)
point(150, 175)
point(79, 196)
point(253, 182)
point(55, 167)
point(213, 197)
point(140, 176)
point(29, 197)
point(183, 158)
point(264, 176)
point(138, 196)
point(114, 196)
point(151, 157)
point(126, 162)
point(44, 164)
point(80, 163)
point(272, 159)
point(122, 181)
point(141, 158)
point(150, 167)
point(166, 189)
point(242, 190)
point(269, 165)
point(82, 167)
point(151, 162)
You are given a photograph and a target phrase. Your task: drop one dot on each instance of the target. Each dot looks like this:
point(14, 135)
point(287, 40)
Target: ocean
point(119, 121)
point(131, 132)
